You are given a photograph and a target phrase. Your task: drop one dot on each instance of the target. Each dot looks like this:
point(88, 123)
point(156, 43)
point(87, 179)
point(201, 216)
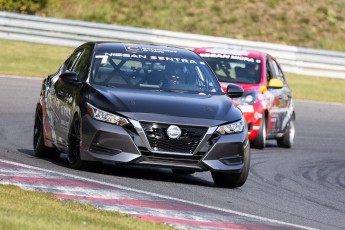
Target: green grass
point(29, 59)
point(317, 88)
point(21, 209)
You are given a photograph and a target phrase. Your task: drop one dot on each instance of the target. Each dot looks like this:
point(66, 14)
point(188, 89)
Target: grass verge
point(317, 88)
point(21, 209)
point(29, 59)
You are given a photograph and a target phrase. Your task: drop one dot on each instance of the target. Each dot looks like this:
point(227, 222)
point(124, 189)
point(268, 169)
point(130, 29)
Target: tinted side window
point(280, 73)
point(72, 60)
point(81, 67)
point(277, 73)
point(270, 73)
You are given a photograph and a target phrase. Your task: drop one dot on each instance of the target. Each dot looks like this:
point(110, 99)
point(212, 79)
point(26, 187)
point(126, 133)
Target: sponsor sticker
point(158, 50)
point(246, 108)
point(105, 57)
point(232, 51)
point(132, 48)
point(229, 56)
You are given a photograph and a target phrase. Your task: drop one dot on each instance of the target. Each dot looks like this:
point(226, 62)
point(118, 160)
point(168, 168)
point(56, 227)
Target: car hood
point(163, 106)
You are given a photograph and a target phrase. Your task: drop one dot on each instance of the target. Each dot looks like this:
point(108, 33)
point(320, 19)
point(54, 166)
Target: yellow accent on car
point(263, 89)
point(275, 84)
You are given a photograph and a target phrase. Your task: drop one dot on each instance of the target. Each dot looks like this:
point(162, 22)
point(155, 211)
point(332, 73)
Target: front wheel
point(38, 138)
point(260, 141)
point(73, 152)
point(233, 180)
point(287, 140)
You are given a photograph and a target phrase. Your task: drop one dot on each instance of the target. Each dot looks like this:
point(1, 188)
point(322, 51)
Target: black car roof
point(144, 48)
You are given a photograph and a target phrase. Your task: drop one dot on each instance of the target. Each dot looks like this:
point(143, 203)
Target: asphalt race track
point(303, 186)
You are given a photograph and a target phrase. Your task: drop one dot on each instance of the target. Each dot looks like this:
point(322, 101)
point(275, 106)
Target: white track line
point(165, 197)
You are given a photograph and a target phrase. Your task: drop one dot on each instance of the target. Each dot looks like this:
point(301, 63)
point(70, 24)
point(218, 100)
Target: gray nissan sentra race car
point(142, 105)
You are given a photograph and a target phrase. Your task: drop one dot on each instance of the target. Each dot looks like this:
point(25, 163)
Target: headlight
point(235, 127)
point(105, 116)
point(248, 98)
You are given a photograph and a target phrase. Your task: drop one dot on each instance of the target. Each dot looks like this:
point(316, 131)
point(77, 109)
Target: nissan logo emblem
point(174, 132)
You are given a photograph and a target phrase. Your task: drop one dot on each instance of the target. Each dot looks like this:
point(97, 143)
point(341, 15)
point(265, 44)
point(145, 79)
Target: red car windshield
point(243, 70)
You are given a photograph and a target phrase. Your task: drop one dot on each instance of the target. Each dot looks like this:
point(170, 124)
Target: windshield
point(241, 70)
point(153, 72)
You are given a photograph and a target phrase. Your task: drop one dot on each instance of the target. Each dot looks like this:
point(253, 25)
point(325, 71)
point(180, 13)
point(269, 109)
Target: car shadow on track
point(135, 172)
point(27, 152)
point(268, 145)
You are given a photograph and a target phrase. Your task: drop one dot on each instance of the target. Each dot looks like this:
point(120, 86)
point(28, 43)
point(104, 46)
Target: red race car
point(267, 100)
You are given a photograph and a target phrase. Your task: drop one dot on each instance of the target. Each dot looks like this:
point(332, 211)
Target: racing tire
point(38, 138)
point(73, 150)
point(183, 171)
point(260, 141)
point(232, 180)
point(287, 140)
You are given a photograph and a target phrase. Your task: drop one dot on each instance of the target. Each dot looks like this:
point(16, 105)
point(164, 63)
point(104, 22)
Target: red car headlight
point(248, 98)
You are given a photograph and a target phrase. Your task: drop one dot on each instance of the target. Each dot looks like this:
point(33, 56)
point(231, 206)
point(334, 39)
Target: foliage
point(23, 6)
point(306, 23)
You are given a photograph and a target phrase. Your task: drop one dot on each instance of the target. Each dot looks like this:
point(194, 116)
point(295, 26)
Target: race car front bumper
point(134, 144)
point(253, 116)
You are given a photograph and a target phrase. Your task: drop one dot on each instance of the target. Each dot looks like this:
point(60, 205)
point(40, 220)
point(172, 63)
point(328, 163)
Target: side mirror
point(275, 84)
point(234, 91)
point(69, 78)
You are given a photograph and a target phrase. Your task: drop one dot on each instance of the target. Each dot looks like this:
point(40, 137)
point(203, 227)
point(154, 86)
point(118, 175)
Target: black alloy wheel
point(287, 140)
point(73, 152)
point(38, 138)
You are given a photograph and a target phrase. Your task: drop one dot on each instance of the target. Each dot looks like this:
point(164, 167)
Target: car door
point(50, 105)
point(273, 118)
point(72, 93)
point(282, 97)
point(285, 99)
point(60, 105)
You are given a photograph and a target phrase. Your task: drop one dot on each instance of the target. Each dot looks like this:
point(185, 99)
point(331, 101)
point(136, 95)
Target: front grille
point(156, 134)
point(190, 161)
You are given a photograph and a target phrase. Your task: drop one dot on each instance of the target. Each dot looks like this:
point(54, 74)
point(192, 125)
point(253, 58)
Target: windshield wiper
point(173, 90)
